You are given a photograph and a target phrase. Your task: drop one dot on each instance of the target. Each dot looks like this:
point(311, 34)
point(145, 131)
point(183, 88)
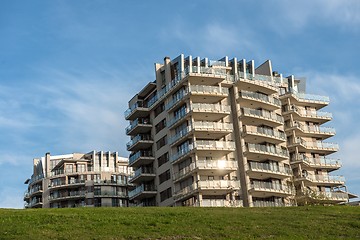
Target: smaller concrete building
point(94, 179)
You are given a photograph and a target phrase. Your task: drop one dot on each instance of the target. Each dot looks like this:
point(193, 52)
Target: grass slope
point(182, 223)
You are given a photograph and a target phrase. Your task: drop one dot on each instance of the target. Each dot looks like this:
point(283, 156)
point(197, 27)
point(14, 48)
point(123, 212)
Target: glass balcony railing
point(317, 144)
point(268, 149)
point(310, 97)
point(142, 170)
point(265, 131)
point(268, 204)
point(140, 154)
point(133, 107)
point(319, 161)
point(219, 184)
point(208, 89)
point(219, 203)
point(260, 97)
point(266, 167)
point(137, 138)
point(185, 150)
point(217, 145)
point(205, 125)
point(315, 129)
point(137, 122)
point(176, 99)
point(272, 187)
point(207, 107)
point(180, 115)
point(71, 194)
point(262, 114)
point(110, 193)
point(324, 178)
point(142, 188)
point(180, 134)
point(335, 196)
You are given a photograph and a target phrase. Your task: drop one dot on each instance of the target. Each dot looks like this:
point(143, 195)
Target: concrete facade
point(228, 133)
point(94, 179)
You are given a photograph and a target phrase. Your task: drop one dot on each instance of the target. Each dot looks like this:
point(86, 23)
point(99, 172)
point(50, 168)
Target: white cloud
point(295, 15)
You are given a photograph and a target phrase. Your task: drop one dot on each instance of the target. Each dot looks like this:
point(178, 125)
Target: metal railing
point(319, 161)
point(136, 105)
point(317, 144)
point(139, 154)
point(136, 122)
point(137, 138)
point(142, 188)
point(273, 187)
point(266, 167)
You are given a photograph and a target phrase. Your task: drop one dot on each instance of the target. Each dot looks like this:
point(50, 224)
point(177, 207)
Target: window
point(69, 168)
point(162, 142)
point(81, 168)
point(164, 176)
point(159, 109)
point(163, 159)
point(165, 194)
point(161, 125)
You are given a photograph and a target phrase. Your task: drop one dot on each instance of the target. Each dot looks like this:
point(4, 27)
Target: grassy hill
point(337, 222)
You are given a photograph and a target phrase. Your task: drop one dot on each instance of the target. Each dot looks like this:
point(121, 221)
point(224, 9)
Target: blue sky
point(68, 68)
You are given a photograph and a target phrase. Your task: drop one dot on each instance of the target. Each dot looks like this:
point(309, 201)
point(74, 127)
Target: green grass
point(336, 222)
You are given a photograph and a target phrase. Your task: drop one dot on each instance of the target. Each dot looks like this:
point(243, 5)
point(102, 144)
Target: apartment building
point(227, 133)
point(94, 179)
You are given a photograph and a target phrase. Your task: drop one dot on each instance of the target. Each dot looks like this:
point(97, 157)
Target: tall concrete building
point(228, 133)
point(95, 179)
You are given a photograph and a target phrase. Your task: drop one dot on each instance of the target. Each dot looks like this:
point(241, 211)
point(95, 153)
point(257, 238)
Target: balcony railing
point(178, 117)
point(266, 167)
point(133, 107)
point(219, 184)
point(260, 97)
point(319, 161)
point(180, 134)
point(263, 114)
point(137, 138)
point(324, 178)
point(185, 150)
point(110, 193)
point(142, 170)
point(219, 203)
point(315, 129)
point(177, 98)
point(310, 113)
point(139, 154)
point(334, 196)
point(218, 145)
point(208, 107)
point(205, 125)
point(67, 195)
point(136, 122)
point(268, 204)
point(142, 188)
point(267, 149)
point(309, 97)
point(317, 144)
point(206, 164)
point(266, 80)
point(110, 182)
point(265, 131)
point(273, 187)
point(209, 89)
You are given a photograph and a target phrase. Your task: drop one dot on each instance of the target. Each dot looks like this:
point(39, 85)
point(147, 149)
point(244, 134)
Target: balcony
point(208, 187)
point(323, 180)
point(207, 94)
point(260, 170)
point(137, 110)
point(304, 99)
point(143, 174)
point(256, 82)
point(71, 183)
point(185, 151)
point(140, 141)
point(220, 167)
point(307, 115)
point(260, 134)
point(262, 152)
point(110, 194)
point(219, 203)
point(268, 204)
point(209, 112)
point(258, 100)
point(311, 131)
point(251, 116)
point(34, 203)
point(322, 197)
point(268, 189)
point(317, 147)
point(176, 100)
point(141, 158)
point(67, 196)
point(142, 191)
point(213, 130)
point(105, 182)
point(178, 118)
point(139, 125)
point(180, 135)
point(210, 75)
point(320, 162)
